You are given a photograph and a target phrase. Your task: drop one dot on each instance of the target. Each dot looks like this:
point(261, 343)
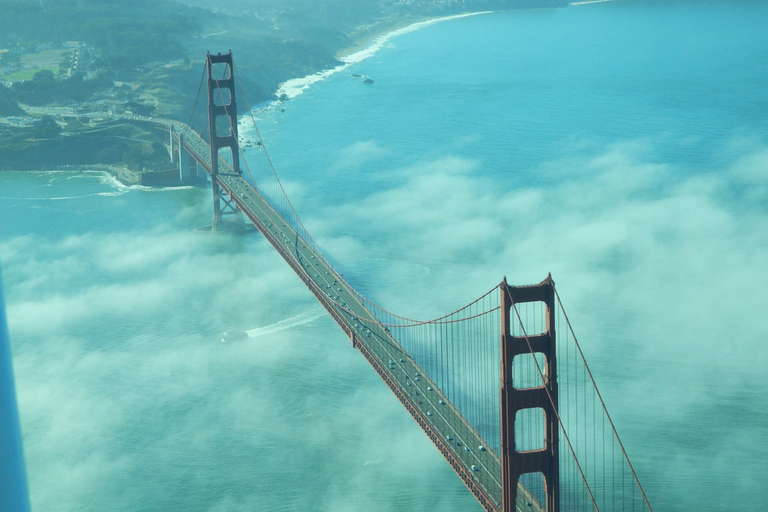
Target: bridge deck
point(459, 443)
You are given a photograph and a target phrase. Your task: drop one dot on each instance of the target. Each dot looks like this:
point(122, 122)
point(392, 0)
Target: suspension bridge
point(500, 385)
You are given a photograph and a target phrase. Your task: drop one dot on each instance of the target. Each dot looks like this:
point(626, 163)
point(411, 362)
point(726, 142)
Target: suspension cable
point(306, 232)
point(272, 167)
point(412, 322)
point(551, 400)
point(435, 320)
point(197, 97)
point(602, 403)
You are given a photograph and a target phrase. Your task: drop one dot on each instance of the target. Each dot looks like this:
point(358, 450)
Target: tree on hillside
point(8, 105)
point(44, 75)
point(140, 108)
point(46, 128)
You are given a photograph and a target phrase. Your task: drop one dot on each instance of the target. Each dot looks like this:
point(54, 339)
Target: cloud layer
point(130, 402)
point(663, 271)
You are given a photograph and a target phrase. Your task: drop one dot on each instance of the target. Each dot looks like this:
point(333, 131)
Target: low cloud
point(661, 269)
point(357, 155)
point(130, 402)
point(128, 398)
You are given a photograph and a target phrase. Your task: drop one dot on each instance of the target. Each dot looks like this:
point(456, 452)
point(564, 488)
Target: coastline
point(365, 43)
point(385, 31)
point(365, 46)
point(121, 173)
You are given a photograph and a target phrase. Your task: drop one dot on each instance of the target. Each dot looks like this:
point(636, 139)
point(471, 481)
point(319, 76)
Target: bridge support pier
point(516, 463)
point(184, 161)
point(222, 127)
point(170, 142)
point(189, 170)
point(228, 218)
point(187, 164)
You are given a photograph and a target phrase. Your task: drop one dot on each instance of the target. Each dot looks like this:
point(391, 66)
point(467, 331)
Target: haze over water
point(622, 146)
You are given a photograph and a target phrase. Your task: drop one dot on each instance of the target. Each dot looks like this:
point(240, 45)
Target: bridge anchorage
point(500, 386)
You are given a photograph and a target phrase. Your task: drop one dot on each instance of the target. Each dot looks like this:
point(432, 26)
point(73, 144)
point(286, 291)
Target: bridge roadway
point(476, 464)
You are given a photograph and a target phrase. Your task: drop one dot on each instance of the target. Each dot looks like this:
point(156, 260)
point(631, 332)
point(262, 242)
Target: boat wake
point(294, 321)
point(585, 2)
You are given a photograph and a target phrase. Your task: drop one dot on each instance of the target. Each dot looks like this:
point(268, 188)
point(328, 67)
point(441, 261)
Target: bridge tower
point(515, 463)
point(222, 129)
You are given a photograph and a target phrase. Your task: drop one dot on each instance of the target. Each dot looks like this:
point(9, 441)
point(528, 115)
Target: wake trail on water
point(58, 198)
point(585, 2)
point(294, 321)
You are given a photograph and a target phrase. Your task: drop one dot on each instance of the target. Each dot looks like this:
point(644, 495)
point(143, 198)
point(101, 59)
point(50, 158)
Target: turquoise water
point(621, 146)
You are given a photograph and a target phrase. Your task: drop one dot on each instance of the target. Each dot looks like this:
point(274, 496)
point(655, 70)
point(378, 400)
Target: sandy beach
point(369, 35)
point(368, 43)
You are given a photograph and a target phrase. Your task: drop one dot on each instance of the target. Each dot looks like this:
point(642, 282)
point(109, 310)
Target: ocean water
point(622, 146)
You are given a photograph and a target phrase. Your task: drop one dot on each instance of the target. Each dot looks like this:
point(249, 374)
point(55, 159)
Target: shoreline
point(365, 43)
point(386, 31)
point(365, 47)
point(118, 177)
